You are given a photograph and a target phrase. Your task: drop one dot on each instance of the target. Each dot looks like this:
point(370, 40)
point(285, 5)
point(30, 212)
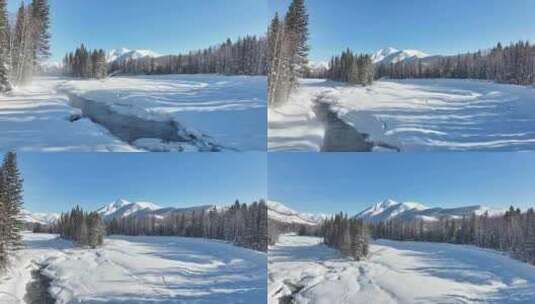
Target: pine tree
point(5, 85)
point(11, 197)
point(297, 28)
point(41, 25)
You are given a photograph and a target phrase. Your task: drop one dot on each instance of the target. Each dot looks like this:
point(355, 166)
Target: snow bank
point(416, 115)
point(159, 269)
point(396, 272)
point(39, 247)
point(294, 126)
point(229, 109)
point(140, 270)
point(37, 118)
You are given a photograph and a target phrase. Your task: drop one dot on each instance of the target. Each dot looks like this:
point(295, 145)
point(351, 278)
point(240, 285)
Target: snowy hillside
point(123, 54)
point(280, 213)
point(38, 218)
point(408, 211)
point(392, 55)
point(304, 270)
point(139, 270)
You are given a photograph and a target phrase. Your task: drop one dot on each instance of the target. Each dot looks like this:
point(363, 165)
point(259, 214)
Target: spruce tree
point(41, 25)
point(12, 201)
point(5, 86)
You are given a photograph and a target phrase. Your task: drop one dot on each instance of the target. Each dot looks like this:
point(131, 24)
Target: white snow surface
point(36, 118)
point(140, 270)
point(229, 109)
point(281, 213)
point(414, 115)
point(396, 272)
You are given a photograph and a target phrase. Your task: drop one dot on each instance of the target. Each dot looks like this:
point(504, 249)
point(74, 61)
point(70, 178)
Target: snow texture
point(231, 110)
point(413, 115)
point(396, 272)
point(38, 118)
point(140, 270)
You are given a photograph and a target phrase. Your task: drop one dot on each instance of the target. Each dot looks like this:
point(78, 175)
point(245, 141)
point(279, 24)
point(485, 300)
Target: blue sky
point(165, 26)
point(436, 27)
point(333, 182)
point(56, 182)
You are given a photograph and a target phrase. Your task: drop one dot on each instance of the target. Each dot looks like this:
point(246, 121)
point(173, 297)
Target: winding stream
point(37, 289)
point(131, 128)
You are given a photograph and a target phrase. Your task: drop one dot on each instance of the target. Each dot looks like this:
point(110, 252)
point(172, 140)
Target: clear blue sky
point(334, 182)
point(165, 26)
point(56, 182)
point(436, 27)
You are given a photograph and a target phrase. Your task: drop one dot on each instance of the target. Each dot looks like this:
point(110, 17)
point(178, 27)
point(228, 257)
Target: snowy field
point(227, 112)
point(36, 118)
point(414, 115)
point(140, 270)
point(396, 272)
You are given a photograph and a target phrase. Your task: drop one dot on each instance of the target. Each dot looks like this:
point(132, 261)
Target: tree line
point(513, 64)
point(11, 187)
point(347, 234)
point(288, 50)
point(81, 227)
point(512, 232)
point(243, 225)
point(351, 68)
point(245, 56)
point(24, 44)
point(84, 63)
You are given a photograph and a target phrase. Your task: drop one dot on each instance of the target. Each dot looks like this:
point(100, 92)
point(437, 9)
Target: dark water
point(339, 136)
point(37, 289)
point(125, 127)
point(290, 299)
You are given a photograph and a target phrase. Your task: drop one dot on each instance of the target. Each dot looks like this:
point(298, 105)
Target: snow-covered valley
point(138, 113)
point(305, 270)
point(413, 115)
point(139, 270)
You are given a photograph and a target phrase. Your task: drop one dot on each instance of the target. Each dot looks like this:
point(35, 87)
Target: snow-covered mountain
point(390, 209)
point(39, 218)
point(123, 54)
point(392, 55)
point(280, 213)
point(123, 208)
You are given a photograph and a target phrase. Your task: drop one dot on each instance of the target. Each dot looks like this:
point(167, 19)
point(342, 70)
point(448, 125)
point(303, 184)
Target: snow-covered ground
point(140, 270)
point(36, 118)
point(415, 115)
point(228, 112)
point(396, 272)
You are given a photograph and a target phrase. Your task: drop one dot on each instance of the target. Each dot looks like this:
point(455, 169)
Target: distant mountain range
point(392, 55)
point(124, 54)
point(408, 211)
point(38, 218)
point(383, 211)
point(119, 209)
point(280, 213)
